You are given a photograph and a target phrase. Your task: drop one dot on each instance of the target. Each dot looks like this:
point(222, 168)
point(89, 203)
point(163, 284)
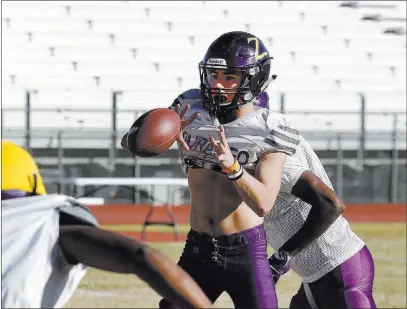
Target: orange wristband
point(234, 168)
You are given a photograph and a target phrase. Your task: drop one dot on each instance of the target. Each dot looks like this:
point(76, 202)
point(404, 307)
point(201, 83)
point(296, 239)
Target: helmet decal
point(256, 40)
point(216, 61)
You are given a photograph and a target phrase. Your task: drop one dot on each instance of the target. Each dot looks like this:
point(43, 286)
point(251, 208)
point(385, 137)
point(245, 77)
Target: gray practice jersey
point(288, 214)
point(249, 138)
point(34, 271)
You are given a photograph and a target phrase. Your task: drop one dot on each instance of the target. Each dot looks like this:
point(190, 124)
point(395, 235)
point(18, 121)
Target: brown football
point(153, 132)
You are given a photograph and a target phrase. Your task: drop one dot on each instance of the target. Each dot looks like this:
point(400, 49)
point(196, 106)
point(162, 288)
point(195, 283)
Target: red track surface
point(135, 214)
point(156, 236)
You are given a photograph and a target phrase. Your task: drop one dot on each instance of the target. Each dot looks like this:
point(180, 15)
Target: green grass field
point(387, 242)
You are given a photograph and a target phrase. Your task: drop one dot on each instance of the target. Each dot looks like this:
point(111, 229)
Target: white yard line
point(117, 293)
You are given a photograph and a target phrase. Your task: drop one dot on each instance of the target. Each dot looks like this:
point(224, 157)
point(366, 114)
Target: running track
point(135, 214)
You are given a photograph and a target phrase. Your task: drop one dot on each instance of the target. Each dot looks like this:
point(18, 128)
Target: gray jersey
point(288, 214)
point(35, 273)
point(248, 137)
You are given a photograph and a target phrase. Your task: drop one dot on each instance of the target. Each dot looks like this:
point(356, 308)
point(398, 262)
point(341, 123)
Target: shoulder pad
point(187, 97)
point(275, 119)
point(191, 94)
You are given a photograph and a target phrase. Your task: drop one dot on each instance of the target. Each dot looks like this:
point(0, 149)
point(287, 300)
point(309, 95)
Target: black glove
point(279, 264)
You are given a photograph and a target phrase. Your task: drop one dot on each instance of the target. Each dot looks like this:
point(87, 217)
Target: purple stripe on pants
point(261, 271)
point(248, 277)
point(347, 286)
point(358, 276)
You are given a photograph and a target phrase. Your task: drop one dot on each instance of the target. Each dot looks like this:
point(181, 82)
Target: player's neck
point(238, 113)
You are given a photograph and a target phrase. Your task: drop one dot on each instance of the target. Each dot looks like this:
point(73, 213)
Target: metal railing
point(337, 142)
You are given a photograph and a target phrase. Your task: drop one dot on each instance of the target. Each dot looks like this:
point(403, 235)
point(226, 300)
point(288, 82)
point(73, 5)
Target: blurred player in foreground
point(48, 241)
point(308, 233)
point(226, 246)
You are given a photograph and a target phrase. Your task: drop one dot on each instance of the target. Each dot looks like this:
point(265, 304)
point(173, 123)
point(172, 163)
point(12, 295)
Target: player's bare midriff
point(216, 207)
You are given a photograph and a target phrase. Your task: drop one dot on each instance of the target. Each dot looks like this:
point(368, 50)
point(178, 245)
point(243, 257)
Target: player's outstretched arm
point(259, 192)
point(326, 207)
point(109, 251)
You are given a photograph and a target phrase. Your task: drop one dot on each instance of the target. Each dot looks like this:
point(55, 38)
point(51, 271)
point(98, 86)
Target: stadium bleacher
point(74, 53)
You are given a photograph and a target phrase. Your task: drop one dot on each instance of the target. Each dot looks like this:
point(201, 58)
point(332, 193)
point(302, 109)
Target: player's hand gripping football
point(222, 150)
point(184, 123)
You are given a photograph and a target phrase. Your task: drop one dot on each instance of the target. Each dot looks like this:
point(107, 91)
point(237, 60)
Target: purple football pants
point(236, 264)
point(347, 286)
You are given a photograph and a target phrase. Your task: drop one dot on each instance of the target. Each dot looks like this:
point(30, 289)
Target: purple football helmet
point(240, 52)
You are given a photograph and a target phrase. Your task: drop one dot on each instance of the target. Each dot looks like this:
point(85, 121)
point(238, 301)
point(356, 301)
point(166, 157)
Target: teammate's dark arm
point(326, 207)
point(109, 251)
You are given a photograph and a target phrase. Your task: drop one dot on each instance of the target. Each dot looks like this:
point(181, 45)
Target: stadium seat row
point(283, 83)
point(193, 55)
point(91, 120)
point(190, 69)
point(139, 40)
point(274, 10)
point(266, 28)
point(305, 100)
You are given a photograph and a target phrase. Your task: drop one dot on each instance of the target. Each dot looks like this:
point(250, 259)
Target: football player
point(276, 175)
point(308, 233)
point(233, 166)
point(49, 241)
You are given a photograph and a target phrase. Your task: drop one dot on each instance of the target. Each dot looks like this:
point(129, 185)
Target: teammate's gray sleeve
point(292, 170)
